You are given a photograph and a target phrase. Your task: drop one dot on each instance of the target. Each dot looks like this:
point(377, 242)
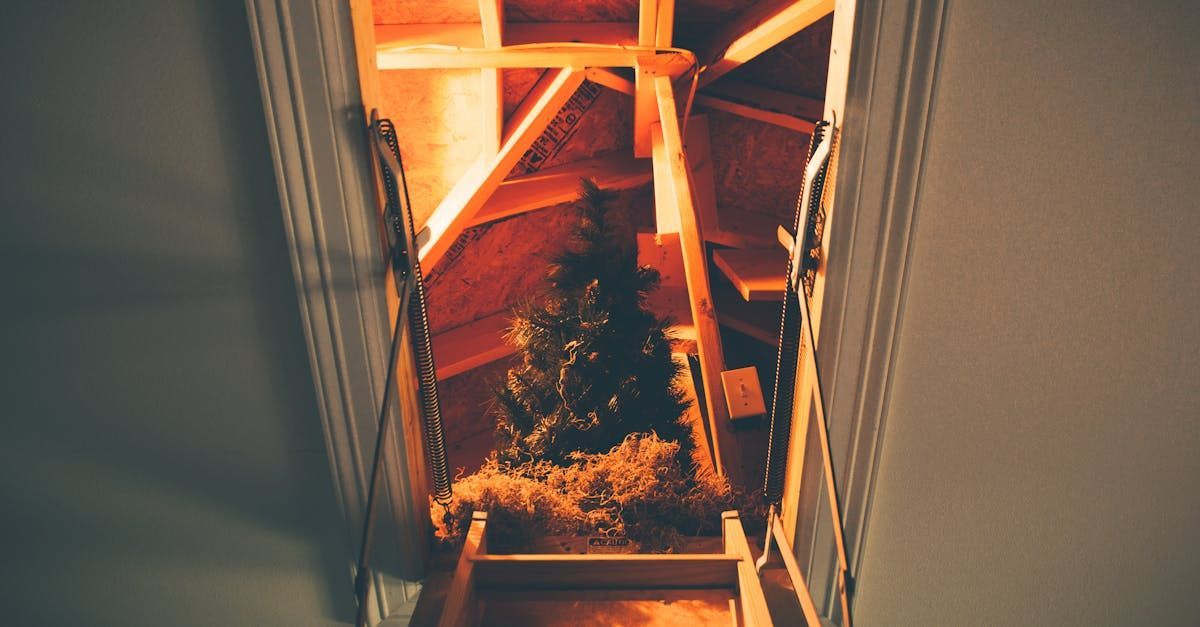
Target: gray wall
point(1041, 460)
point(161, 457)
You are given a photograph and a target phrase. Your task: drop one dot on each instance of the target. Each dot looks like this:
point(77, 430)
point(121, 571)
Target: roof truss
point(757, 29)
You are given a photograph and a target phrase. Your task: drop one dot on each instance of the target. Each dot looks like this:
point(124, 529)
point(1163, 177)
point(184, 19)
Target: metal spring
point(788, 357)
point(418, 316)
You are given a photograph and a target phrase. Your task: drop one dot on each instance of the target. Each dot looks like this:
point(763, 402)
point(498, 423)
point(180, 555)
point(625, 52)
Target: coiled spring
point(788, 357)
point(406, 263)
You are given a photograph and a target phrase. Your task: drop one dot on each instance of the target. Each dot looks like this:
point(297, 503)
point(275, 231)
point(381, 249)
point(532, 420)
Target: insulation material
point(436, 113)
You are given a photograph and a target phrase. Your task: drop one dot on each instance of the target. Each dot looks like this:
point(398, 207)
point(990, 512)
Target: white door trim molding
point(889, 106)
point(304, 51)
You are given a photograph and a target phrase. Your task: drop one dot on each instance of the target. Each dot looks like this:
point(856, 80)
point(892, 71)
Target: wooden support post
point(750, 592)
point(757, 29)
point(462, 606)
point(704, 191)
point(708, 336)
point(491, 98)
point(645, 109)
point(468, 196)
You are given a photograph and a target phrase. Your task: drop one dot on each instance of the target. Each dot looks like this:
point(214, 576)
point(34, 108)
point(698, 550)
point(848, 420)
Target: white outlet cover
point(743, 394)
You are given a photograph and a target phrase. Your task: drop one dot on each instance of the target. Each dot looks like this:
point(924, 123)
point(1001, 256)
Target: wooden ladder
point(600, 589)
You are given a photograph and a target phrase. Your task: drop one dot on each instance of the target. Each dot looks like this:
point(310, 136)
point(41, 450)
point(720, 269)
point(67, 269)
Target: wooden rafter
point(471, 35)
point(757, 29)
point(553, 55)
point(767, 99)
point(677, 179)
point(770, 117)
point(491, 19)
point(467, 198)
point(472, 345)
point(560, 184)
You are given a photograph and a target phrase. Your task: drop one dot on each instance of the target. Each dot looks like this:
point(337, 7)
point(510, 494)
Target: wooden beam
point(664, 25)
point(621, 572)
point(557, 185)
point(750, 592)
point(467, 198)
point(767, 99)
point(645, 107)
point(491, 97)
point(757, 29)
point(695, 262)
point(471, 345)
point(470, 34)
point(752, 113)
point(759, 274)
point(610, 79)
point(461, 607)
point(550, 55)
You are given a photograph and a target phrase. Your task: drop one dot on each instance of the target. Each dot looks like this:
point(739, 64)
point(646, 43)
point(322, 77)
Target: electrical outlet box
point(743, 394)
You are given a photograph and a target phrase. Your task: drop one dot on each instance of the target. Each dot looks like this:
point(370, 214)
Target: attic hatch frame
point(305, 52)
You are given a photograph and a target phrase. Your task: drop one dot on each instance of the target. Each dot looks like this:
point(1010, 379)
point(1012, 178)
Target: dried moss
point(638, 489)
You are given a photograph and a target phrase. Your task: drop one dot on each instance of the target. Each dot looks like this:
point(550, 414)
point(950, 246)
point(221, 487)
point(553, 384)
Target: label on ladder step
point(605, 544)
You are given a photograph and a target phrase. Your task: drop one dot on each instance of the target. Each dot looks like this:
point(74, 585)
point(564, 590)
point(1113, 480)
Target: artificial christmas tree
point(595, 364)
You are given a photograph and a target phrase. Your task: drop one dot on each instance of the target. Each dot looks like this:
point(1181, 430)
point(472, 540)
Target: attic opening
point(694, 116)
